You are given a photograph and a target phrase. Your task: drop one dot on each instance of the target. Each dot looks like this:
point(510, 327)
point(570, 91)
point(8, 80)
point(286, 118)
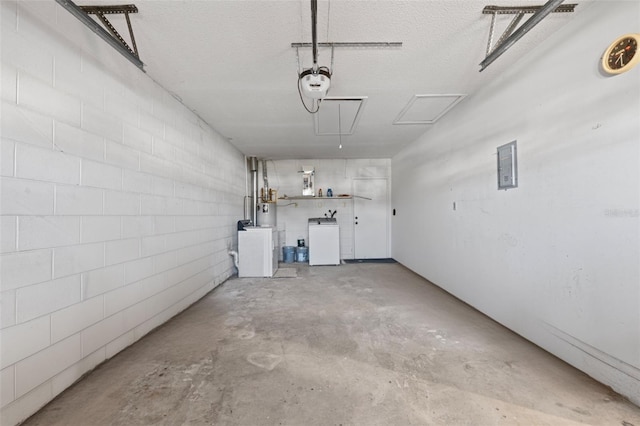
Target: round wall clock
point(622, 54)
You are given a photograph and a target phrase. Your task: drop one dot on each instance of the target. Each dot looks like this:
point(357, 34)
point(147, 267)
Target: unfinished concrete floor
point(358, 344)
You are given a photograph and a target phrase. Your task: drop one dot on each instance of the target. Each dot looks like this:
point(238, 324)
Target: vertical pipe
point(246, 188)
point(254, 189)
point(265, 180)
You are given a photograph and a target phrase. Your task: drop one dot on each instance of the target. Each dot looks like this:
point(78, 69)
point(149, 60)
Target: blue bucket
point(302, 254)
point(288, 254)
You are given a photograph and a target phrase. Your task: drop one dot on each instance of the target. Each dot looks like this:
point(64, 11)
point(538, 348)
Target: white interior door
point(371, 220)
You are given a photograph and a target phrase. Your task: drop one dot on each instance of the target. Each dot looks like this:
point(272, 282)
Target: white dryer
point(257, 251)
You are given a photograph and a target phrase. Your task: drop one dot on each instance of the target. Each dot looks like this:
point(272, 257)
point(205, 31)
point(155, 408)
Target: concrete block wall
point(556, 259)
point(337, 174)
point(118, 205)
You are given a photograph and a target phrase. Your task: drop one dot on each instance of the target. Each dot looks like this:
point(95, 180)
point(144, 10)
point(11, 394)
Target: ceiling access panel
point(339, 115)
point(427, 109)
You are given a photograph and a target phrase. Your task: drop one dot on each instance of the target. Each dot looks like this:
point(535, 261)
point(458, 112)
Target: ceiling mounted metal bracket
point(352, 44)
point(126, 9)
point(511, 35)
point(333, 45)
point(112, 37)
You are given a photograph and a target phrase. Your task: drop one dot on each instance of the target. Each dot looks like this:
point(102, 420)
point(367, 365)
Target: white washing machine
point(324, 241)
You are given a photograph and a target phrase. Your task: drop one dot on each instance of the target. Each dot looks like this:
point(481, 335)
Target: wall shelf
point(308, 197)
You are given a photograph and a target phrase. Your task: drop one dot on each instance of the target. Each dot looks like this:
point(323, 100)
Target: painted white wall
point(335, 174)
point(557, 259)
point(118, 205)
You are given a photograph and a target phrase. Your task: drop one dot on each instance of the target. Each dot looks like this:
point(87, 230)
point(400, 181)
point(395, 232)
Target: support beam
point(510, 29)
point(514, 10)
point(539, 15)
point(84, 17)
point(101, 11)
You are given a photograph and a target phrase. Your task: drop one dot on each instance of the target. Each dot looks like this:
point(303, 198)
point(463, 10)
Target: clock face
point(622, 54)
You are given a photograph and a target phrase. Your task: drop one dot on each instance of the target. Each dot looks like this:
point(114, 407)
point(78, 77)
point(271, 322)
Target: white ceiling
point(232, 62)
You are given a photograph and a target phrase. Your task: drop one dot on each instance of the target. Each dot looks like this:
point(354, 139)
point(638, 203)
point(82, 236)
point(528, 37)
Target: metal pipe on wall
point(265, 180)
point(254, 189)
point(245, 200)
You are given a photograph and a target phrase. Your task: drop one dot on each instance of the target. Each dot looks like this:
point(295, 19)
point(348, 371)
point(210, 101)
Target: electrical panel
point(507, 166)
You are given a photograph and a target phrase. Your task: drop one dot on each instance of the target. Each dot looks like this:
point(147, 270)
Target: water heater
point(267, 214)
